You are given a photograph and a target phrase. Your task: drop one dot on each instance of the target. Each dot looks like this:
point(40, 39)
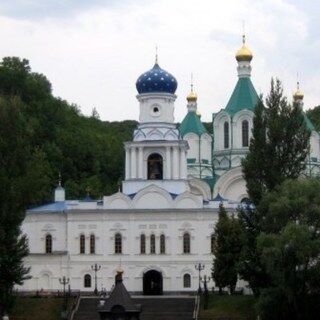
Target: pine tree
point(13, 187)
point(279, 146)
point(226, 251)
point(278, 150)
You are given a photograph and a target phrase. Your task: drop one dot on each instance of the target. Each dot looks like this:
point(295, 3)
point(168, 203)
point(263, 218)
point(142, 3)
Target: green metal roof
point(192, 123)
point(244, 96)
point(309, 124)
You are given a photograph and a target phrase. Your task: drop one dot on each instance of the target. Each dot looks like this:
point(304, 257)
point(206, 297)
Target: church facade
point(160, 226)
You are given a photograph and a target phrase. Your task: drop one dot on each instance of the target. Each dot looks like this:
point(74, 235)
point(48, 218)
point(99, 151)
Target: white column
point(175, 163)
point(133, 163)
point(168, 163)
point(140, 163)
point(127, 173)
point(183, 164)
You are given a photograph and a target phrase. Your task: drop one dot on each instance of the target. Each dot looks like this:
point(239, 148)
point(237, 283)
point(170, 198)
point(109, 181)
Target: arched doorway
point(152, 283)
point(155, 167)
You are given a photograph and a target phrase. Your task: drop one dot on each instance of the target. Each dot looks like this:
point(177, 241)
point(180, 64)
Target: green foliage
point(278, 150)
point(279, 146)
point(13, 198)
point(290, 250)
point(40, 136)
point(226, 251)
point(88, 152)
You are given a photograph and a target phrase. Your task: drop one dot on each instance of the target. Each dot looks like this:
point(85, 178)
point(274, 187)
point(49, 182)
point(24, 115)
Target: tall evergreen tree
point(278, 150)
point(13, 188)
point(227, 246)
point(279, 145)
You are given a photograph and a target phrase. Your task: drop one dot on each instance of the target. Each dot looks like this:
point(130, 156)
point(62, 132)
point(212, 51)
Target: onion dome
point(156, 80)
point(244, 53)
point(298, 95)
point(192, 96)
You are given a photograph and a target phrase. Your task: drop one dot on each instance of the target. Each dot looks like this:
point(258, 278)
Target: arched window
point(226, 135)
point(48, 243)
point(155, 167)
point(87, 281)
point(82, 244)
point(162, 244)
point(142, 244)
point(186, 243)
point(152, 244)
point(187, 280)
point(92, 244)
point(245, 133)
point(212, 242)
point(118, 243)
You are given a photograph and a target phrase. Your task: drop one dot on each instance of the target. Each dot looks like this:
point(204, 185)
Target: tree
point(13, 182)
point(226, 251)
point(278, 150)
point(279, 146)
point(314, 116)
point(290, 251)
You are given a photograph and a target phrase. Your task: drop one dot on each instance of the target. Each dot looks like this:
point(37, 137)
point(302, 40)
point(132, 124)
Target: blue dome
point(156, 80)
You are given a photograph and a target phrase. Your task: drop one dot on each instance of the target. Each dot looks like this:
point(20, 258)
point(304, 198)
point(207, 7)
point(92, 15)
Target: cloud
point(93, 51)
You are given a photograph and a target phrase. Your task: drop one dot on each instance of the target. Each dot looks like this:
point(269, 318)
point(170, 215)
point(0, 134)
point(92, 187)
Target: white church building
point(161, 224)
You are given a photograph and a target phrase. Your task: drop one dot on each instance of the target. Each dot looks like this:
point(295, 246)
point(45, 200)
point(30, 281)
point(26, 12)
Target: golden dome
point(192, 96)
point(244, 53)
point(298, 95)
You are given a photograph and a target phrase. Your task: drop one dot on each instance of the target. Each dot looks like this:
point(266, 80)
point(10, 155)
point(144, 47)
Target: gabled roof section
point(244, 96)
point(192, 123)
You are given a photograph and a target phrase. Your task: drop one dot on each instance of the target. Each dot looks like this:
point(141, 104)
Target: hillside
point(55, 137)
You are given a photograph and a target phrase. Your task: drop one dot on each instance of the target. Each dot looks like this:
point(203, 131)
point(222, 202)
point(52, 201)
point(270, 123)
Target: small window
point(187, 281)
point(226, 135)
point(118, 243)
point(162, 244)
point(142, 244)
point(92, 244)
point(82, 244)
point(152, 244)
point(186, 243)
point(245, 133)
point(48, 243)
point(212, 242)
point(87, 281)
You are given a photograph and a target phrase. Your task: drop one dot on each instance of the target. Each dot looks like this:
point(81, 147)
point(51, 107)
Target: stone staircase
point(153, 308)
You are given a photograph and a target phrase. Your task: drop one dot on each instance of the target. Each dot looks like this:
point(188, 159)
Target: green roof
point(244, 96)
point(309, 124)
point(192, 123)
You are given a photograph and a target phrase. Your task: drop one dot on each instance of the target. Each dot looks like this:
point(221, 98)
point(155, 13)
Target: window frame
point(162, 244)
point(142, 243)
point(82, 243)
point(152, 244)
point(92, 244)
point(87, 281)
point(187, 281)
point(226, 135)
point(118, 243)
point(48, 243)
point(245, 133)
point(186, 243)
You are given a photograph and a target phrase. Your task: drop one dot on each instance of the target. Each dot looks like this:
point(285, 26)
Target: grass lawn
point(44, 308)
point(227, 307)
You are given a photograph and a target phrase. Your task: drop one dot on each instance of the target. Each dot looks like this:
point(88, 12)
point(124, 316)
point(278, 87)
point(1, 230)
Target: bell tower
point(157, 154)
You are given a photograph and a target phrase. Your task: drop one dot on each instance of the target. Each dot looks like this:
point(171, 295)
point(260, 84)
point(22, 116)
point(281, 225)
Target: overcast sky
point(93, 51)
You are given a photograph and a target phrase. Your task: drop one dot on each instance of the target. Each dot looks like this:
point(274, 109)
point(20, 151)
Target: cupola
point(156, 80)
point(244, 53)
